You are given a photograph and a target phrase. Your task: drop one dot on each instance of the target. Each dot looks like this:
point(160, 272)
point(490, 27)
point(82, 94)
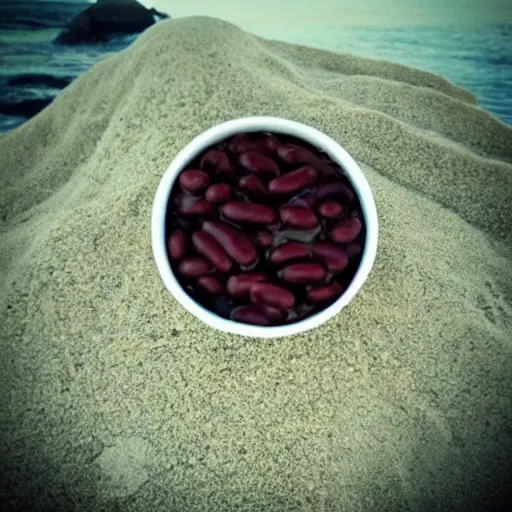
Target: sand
point(115, 398)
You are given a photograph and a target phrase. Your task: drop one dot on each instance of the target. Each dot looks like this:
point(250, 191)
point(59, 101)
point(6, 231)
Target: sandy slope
point(113, 396)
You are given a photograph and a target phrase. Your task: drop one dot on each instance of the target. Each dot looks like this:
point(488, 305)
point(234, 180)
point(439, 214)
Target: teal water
point(475, 57)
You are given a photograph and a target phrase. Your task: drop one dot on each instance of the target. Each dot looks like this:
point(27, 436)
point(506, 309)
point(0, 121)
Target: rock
point(108, 17)
point(159, 14)
point(40, 79)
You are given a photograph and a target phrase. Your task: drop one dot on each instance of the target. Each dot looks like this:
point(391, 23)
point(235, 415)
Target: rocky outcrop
point(106, 18)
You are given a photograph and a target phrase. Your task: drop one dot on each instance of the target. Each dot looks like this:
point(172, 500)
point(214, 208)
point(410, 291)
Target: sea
point(33, 70)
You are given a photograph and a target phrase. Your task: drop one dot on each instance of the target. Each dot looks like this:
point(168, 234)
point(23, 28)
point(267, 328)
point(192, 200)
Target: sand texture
point(115, 398)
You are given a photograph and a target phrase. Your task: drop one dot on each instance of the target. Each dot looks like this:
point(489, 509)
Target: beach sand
point(115, 398)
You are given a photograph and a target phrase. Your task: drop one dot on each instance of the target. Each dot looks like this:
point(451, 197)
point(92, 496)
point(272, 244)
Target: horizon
point(308, 14)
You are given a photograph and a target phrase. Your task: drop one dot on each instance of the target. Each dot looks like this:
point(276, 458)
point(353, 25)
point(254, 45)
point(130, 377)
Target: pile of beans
point(264, 229)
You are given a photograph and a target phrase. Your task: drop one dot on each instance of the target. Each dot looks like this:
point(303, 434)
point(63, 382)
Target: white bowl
point(273, 125)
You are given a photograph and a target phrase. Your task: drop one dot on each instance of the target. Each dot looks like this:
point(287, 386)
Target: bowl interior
point(278, 126)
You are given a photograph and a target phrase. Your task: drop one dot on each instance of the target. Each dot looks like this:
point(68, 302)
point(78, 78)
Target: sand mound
point(114, 397)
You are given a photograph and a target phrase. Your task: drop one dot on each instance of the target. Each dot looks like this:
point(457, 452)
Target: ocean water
point(477, 58)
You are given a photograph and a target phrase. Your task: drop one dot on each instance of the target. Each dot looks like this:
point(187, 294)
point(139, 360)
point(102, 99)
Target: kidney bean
point(234, 242)
point(217, 161)
point(303, 273)
point(243, 212)
point(252, 183)
point(289, 251)
point(333, 256)
point(353, 250)
point(194, 267)
point(210, 284)
point(271, 143)
point(298, 217)
point(297, 155)
point(196, 206)
point(327, 169)
point(207, 246)
point(249, 315)
point(243, 142)
point(346, 230)
point(299, 229)
point(264, 238)
point(334, 189)
point(275, 315)
point(256, 162)
point(193, 181)
point(323, 293)
point(330, 209)
point(272, 295)
point(239, 285)
point(177, 245)
point(293, 181)
point(218, 193)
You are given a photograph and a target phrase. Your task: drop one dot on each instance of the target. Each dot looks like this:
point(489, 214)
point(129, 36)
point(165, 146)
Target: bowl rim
point(277, 125)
